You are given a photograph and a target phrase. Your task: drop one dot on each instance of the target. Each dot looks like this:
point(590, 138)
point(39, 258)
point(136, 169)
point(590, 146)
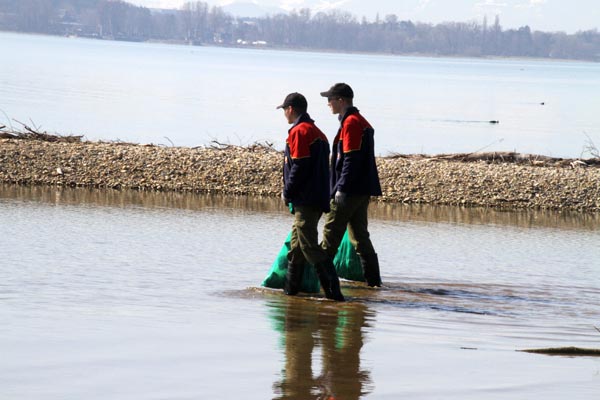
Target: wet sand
point(528, 183)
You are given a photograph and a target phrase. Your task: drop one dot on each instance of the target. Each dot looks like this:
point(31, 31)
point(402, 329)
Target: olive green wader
point(305, 247)
point(352, 215)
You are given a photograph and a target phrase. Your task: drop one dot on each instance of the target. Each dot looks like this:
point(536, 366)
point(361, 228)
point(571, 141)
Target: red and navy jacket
point(353, 167)
point(305, 168)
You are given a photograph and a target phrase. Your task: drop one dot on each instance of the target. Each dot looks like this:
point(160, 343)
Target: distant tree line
point(198, 23)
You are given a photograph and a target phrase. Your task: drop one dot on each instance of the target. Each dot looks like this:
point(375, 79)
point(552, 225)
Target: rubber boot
point(329, 280)
point(293, 279)
point(370, 267)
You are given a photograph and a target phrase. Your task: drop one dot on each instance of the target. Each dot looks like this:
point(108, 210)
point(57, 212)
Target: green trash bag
point(276, 277)
point(346, 261)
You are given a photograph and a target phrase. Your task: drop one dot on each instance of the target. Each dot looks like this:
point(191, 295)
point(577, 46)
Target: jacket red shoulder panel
point(301, 137)
point(352, 131)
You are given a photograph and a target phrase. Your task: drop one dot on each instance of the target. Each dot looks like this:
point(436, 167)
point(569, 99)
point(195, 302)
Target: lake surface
point(189, 96)
point(128, 295)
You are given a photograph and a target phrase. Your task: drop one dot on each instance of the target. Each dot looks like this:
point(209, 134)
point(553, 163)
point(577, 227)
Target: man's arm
point(300, 160)
point(351, 136)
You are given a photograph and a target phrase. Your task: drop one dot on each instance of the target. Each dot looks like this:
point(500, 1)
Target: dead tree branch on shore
point(590, 147)
point(215, 144)
point(34, 133)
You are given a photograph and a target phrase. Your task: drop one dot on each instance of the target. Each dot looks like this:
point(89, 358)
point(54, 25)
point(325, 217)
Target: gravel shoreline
point(256, 170)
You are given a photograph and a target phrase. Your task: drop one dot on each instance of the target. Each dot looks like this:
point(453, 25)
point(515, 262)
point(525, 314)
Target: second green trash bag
point(346, 261)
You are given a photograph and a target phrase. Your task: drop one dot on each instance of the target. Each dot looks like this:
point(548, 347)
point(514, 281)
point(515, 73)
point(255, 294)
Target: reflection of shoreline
point(482, 216)
point(378, 211)
point(337, 333)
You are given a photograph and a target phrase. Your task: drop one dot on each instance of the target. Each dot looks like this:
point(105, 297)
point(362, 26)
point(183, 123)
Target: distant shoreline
point(496, 180)
point(312, 50)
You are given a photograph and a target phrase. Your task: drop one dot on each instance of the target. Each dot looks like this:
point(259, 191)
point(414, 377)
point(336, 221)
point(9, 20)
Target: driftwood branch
point(33, 133)
point(170, 141)
point(590, 147)
point(220, 146)
point(215, 144)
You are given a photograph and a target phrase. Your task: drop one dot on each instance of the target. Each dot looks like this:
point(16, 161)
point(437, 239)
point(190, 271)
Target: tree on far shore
point(198, 23)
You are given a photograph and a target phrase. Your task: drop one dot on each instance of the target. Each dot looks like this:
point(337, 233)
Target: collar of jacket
point(303, 118)
point(349, 111)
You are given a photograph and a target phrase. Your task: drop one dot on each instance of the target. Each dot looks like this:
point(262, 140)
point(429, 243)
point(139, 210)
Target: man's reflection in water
point(337, 331)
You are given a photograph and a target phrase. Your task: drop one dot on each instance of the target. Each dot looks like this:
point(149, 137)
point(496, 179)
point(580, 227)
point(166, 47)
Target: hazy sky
point(547, 15)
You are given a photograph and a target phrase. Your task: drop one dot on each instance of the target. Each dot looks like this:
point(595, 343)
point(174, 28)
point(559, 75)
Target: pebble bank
point(257, 170)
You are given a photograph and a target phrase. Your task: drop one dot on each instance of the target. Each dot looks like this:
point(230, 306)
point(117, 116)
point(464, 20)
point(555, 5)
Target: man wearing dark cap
point(306, 189)
point(354, 180)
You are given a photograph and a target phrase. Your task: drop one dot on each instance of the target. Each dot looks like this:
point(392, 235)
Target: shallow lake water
point(130, 295)
point(190, 95)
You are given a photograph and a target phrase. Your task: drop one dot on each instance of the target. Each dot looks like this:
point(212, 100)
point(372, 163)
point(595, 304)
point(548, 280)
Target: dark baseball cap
point(339, 90)
point(296, 100)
